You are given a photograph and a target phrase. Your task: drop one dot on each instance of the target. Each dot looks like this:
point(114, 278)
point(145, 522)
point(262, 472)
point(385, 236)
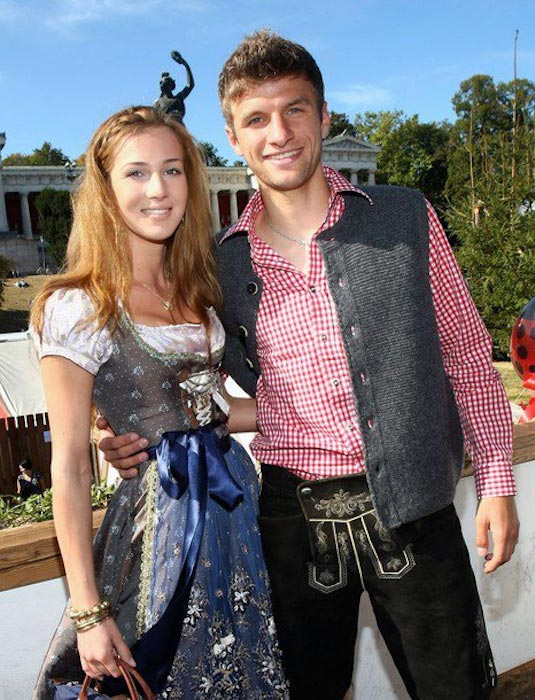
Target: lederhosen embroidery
point(341, 519)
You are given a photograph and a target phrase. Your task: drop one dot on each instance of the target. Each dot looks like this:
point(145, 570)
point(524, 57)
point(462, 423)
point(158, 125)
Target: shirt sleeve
point(66, 332)
point(467, 351)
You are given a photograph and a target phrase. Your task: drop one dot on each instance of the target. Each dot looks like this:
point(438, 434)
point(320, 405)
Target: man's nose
point(280, 132)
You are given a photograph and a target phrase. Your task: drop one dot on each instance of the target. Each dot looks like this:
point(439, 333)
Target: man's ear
point(233, 140)
point(325, 121)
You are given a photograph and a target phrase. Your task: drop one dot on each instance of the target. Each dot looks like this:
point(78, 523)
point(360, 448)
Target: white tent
point(21, 392)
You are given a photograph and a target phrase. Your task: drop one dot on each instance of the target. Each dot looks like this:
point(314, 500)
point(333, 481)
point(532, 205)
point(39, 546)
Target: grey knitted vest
point(377, 265)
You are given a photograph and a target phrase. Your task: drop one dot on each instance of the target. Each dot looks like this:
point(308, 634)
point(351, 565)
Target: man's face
point(278, 129)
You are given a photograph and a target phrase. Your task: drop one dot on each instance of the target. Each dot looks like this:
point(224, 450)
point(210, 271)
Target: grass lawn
point(512, 382)
point(15, 309)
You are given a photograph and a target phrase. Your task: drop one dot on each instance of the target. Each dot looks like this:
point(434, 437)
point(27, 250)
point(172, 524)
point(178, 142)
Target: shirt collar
point(337, 184)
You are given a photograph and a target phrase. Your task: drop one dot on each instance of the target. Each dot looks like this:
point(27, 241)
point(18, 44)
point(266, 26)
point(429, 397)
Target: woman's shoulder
point(73, 301)
point(69, 329)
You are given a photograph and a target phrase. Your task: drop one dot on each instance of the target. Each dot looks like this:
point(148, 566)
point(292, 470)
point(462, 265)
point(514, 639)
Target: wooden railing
point(29, 554)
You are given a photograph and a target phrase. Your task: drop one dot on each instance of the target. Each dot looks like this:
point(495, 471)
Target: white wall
point(29, 615)
point(507, 595)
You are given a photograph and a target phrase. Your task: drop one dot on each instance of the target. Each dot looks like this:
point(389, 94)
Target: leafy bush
point(37, 508)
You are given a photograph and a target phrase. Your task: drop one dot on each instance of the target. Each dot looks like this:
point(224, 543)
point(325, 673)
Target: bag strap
point(131, 677)
point(136, 676)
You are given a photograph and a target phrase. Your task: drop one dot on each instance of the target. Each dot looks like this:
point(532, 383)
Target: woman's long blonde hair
point(98, 253)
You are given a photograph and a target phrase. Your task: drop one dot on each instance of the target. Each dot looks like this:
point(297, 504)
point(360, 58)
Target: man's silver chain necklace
point(300, 241)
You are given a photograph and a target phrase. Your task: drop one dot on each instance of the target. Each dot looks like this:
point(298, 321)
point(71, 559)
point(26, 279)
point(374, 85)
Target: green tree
point(490, 190)
point(55, 218)
point(340, 124)
point(5, 266)
point(413, 153)
point(211, 156)
point(45, 155)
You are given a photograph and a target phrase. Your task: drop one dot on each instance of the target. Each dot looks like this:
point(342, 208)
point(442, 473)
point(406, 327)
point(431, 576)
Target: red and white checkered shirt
point(306, 411)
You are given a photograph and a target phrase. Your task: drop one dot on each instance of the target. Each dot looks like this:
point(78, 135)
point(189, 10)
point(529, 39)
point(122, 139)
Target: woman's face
point(149, 184)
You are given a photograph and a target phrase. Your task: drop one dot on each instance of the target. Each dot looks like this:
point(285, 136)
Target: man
point(347, 316)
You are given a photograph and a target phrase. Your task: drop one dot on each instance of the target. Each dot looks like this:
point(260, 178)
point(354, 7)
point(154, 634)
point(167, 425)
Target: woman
point(131, 327)
point(29, 482)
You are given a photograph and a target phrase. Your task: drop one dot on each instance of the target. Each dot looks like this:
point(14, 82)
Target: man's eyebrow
point(254, 112)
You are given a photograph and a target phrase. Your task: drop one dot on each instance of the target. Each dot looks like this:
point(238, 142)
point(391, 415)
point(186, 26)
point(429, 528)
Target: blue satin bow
point(186, 460)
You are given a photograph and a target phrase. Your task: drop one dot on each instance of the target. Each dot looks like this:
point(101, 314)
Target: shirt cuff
point(495, 480)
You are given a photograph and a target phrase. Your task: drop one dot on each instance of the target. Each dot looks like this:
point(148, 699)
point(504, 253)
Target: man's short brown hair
point(261, 56)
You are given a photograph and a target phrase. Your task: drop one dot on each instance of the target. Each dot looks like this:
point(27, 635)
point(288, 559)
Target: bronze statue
point(174, 104)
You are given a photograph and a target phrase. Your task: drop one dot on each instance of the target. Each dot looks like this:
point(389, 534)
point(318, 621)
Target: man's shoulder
point(395, 193)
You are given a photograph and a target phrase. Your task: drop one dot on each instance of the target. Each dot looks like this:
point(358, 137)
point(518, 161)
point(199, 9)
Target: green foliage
point(413, 153)
point(45, 155)
point(5, 266)
point(340, 124)
point(55, 219)
point(211, 156)
point(498, 257)
point(38, 508)
point(491, 190)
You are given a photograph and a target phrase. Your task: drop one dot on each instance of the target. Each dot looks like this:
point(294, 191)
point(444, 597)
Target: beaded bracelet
point(102, 606)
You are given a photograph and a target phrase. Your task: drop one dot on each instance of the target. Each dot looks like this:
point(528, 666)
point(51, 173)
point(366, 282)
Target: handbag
point(83, 691)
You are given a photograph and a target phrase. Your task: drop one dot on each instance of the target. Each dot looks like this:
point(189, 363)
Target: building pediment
point(346, 152)
point(349, 143)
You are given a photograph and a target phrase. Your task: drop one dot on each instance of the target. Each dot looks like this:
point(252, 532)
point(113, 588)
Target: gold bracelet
point(93, 621)
point(101, 606)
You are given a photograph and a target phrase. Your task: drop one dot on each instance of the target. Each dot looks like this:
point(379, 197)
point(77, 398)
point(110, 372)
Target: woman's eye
point(174, 171)
point(135, 173)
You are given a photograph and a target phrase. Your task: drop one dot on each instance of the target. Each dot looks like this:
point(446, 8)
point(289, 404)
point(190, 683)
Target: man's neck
point(290, 219)
point(298, 212)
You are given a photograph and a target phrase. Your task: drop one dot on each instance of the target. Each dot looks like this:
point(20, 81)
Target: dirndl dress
point(208, 610)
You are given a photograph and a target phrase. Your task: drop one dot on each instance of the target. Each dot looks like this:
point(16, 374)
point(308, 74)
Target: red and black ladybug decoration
point(523, 345)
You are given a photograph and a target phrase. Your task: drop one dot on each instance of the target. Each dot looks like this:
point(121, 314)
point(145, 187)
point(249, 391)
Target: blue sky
point(65, 65)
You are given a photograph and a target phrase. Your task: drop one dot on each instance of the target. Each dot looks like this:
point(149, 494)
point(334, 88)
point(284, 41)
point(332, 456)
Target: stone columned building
point(230, 190)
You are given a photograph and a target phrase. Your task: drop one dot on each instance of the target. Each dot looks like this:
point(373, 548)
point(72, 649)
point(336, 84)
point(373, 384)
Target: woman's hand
point(98, 648)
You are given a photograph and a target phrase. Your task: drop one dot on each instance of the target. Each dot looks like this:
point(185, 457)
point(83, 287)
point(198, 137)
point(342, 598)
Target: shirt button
point(252, 288)
point(336, 382)
point(350, 427)
point(312, 289)
point(323, 337)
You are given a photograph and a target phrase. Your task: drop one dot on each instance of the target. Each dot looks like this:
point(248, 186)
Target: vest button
point(252, 288)
point(243, 332)
point(249, 363)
